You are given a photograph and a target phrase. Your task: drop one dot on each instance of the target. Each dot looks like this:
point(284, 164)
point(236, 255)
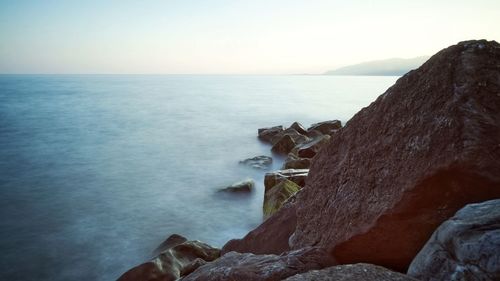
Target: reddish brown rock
point(250, 267)
point(271, 237)
point(400, 167)
point(352, 272)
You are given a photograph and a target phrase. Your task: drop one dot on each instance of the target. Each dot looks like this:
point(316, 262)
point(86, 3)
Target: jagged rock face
point(465, 247)
point(178, 258)
point(352, 272)
point(425, 148)
point(271, 237)
point(249, 267)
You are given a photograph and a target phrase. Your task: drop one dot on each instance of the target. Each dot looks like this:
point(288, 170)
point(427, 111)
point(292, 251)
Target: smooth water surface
point(96, 171)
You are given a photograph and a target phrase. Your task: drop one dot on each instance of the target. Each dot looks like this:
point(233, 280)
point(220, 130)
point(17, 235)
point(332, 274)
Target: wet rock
point(310, 148)
point(250, 267)
point(173, 263)
point(275, 197)
point(242, 186)
point(299, 128)
point(401, 166)
point(352, 272)
point(266, 134)
point(285, 141)
point(326, 127)
point(172, 241)
point(258, 162)
point(297, 176)
point(294, 162)
point(270, 237)
point(465, 247)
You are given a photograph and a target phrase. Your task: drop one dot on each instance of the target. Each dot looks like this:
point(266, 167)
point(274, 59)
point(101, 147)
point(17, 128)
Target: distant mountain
point(388, 67)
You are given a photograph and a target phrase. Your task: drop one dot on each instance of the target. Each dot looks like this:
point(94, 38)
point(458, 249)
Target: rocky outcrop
point(174, 262)
point(298, 176)
point(294, 162)
point(352, 272)
point(244, 186)
point(326, 127)
point(310, 148)
point(250, 267)
point(400, 167)
point(285, 141)
point(465, 247)
point(172, 241)
point(266, 134)
point(258, 162)
point(275, 197)
point(271, 237)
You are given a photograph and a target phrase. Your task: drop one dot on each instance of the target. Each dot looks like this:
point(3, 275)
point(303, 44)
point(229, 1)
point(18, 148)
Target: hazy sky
point(231, 36)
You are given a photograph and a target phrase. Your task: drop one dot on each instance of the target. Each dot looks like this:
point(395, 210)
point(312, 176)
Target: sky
point(230, 36)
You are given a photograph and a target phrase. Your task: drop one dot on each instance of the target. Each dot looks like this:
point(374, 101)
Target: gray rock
point(465, 247)
point(250, 267)
point(298, 176)
point(266, 134)
point(258, 162)
point(352, 272)
point(173, 263)
point(326, 127)
point(242, 186)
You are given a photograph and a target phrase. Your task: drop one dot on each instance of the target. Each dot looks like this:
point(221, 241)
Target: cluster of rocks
point(408, 189)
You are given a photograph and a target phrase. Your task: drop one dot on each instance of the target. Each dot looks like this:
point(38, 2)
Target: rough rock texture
point(275, 197)
point(326, 127)
point(299, 128)
point(352, 272)
point(310, 148)
point(174, 262)
point(400, 167)
point(294, 162)
point(258, 162)
point(242, 186)
point(249, 267)
point(465, 247)
point(172, 241)
point(271, 237)
point(285, 141)
point(298, 176)
point(266, 134)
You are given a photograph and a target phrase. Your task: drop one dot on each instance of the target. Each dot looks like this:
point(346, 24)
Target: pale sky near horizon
point(230, 36)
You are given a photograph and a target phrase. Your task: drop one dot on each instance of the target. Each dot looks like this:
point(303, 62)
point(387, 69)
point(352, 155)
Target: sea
point(97, 170)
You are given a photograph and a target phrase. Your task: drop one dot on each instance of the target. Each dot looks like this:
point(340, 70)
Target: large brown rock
point(250, 267)
point(285, 141)
point(400, 167)
point(271, 237)
point(176, 260)
point(465, 247)
point(352, 272)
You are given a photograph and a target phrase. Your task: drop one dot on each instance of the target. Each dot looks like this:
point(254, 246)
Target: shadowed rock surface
point(250, 267)
point(299, 128)
point(172, 241)
point(294, 162)
point(177, 261)
point(352, 272)
point(465, 247)
point(400, 167)
point(244, 186)
point(326, 127)
point(298, 176)
point(310, 148)
point(271, 237)
point(285, 141)
point(266, 134)
point(275, 197)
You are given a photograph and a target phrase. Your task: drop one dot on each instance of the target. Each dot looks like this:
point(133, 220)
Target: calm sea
point(97, 170)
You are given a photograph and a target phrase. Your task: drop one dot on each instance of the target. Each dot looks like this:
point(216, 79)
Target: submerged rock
point(242, 186)
point(174, 262)
point(266, 134)
point(250, 267)
point(326, 127)
point(275, 197)
point(258, 162)
point(465, 247)
point(297, 176)
point(352, 272)
point(401, 166)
